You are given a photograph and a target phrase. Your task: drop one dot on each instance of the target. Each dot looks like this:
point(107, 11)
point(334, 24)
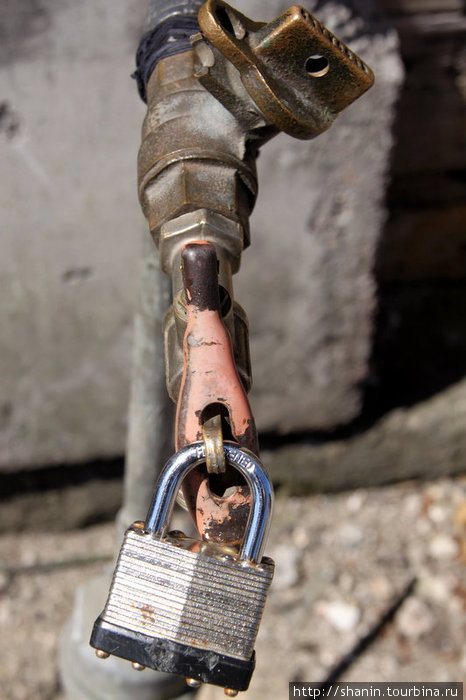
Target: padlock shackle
point(189, 457)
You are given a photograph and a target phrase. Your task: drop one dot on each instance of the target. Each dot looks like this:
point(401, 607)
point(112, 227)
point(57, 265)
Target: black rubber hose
point(170, 23)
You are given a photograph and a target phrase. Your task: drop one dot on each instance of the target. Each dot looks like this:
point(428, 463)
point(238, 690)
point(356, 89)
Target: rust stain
point(210, 376)
point(147, 613)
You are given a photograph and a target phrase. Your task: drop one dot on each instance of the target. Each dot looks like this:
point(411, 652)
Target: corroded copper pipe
point(210, 377)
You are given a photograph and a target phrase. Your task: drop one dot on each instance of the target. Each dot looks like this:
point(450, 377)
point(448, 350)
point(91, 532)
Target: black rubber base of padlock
point(172, 657)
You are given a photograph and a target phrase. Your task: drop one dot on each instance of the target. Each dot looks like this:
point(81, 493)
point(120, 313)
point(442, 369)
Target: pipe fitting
point(194, 154)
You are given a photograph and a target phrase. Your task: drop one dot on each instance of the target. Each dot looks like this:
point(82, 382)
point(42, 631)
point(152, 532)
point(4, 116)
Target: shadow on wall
point(420, 339)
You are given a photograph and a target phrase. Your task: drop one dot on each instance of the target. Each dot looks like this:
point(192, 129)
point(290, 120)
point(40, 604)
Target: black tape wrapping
point(166, 39)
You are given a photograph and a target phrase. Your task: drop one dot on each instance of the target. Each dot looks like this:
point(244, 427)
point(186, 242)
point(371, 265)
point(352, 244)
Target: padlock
point(185, 606)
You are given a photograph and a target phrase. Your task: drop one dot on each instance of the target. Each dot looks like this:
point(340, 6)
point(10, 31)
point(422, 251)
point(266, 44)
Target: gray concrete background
point(70, 227)
point(71, 233)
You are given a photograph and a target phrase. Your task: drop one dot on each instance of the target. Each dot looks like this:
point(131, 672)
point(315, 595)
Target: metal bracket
point(298, 74)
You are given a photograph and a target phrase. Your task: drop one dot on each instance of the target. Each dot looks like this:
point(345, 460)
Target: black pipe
point(169, 25)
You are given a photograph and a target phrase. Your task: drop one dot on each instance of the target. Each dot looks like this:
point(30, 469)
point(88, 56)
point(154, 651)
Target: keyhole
point(317, 65)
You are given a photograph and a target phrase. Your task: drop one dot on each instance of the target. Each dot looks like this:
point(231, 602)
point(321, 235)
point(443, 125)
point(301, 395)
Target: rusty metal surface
point(210, 375)
point(298, 74)
point(175, 325)
point(210, 378)
point(227, 236)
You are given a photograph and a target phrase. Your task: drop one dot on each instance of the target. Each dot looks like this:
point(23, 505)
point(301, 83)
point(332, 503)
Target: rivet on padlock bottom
point(188, 607)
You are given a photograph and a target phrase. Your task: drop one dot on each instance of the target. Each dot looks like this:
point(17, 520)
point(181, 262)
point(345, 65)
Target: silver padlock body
point(190, 592)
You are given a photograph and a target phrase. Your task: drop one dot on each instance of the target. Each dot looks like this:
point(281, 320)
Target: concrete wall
point(70, 227)
point(71, 232)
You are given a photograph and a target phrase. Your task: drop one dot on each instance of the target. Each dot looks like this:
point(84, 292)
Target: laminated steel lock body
point(188, 607)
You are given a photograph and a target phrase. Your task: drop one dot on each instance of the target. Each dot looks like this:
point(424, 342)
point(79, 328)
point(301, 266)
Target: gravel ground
point(342, 561)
